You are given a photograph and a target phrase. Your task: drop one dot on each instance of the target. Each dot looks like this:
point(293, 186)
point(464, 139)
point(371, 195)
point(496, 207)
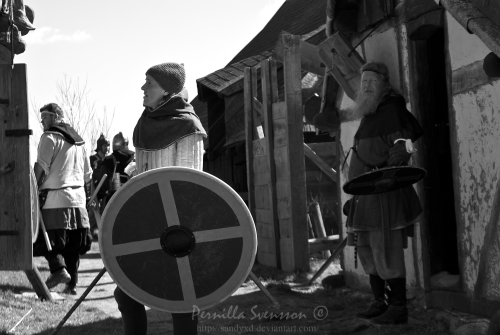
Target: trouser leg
point(72, 260)
point(185, 323)
point(377, 284)
point(133, 314)
point(55, 260)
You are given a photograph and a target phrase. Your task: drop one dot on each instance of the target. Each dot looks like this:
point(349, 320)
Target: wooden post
point(16, 214)
point(38, 284)
point(294, 245)
point(249, 139)
point(315, 211)
point(269, 95)
point(15, 203)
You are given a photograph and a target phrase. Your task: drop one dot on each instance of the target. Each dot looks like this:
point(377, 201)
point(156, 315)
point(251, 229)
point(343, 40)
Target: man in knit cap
point(170, 129)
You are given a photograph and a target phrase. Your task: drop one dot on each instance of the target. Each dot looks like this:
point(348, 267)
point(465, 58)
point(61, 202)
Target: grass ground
point(248, 311)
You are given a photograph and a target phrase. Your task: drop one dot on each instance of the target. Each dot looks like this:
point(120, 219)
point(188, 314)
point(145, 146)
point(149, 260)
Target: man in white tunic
point(168, 133)
point(63, 174)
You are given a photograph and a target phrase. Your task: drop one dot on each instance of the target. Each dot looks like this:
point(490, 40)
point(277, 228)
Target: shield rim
point(382, 169)
point(35, 210)
point(216, 185)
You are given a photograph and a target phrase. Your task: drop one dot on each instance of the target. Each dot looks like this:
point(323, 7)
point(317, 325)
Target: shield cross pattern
point(173, 238)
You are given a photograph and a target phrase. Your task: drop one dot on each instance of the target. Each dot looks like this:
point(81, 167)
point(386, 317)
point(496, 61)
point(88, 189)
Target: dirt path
point(248, 310)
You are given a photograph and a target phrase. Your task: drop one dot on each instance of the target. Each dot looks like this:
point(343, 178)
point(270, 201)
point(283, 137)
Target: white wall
point(476, 113)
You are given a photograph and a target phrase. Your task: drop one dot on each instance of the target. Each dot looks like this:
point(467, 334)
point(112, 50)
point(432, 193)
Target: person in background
point(101, 150)
point(168, 133)
point(63, 176)
point(114, 167)
point(96, 208)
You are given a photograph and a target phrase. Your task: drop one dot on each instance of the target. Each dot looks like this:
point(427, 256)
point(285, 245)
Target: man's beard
point(365, 104)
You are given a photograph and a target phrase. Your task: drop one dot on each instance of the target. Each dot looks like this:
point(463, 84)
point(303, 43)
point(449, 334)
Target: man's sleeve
point(87, 171)
point(46, 149)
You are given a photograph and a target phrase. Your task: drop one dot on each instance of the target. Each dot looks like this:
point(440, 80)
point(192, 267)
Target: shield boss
point(173, 238)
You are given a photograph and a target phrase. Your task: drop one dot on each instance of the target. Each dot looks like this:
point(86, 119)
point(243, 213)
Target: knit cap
point(377, 67)
point(170, 76)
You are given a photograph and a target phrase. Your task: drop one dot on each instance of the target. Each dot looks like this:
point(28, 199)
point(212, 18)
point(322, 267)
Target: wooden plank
point(309, 60)
point(325, 149)
point(345, 68)
point(262, 200)
point(255, 116)
point(323, 243)
point(5, 55)
point(320, 232)
point(38, 284)
point(281, 159)
point(264, 216)
point(280, 133)
point(259, 147)
point(286, 227)
point(283, 193)
point(279, 110)
point(249, 139)
point(293, 99)
point(15, 204)
point(267, 98)
point(260, 173)
point(331, 173)
point(335, 72)
point(489, 8)
point(273, 71)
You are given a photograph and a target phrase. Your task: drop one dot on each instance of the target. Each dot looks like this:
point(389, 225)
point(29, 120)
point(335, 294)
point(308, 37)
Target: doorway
point(430, 98)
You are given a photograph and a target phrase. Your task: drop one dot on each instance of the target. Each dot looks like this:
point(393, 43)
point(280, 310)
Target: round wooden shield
point(384, 180)
point(173, 238)
point(34, 207)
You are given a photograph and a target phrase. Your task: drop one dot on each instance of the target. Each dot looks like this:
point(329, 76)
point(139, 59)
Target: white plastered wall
point(476, 113)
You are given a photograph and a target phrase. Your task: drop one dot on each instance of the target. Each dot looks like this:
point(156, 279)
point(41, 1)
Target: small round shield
point(177, 238)
point(384, 180)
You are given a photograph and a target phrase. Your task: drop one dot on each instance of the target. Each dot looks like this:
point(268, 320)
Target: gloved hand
point(398, 155)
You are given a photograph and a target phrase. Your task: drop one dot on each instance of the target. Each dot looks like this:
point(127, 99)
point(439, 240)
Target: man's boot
point(379, 306)
point(397, 313)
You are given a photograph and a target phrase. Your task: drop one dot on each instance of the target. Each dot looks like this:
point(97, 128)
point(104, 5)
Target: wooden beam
point(323, 243)
point(309, 59)
point(474, 21)
point(327, 169)
point(249, 139)
point(38, 284)
point(295, 244)
point(268, 98)
point(15, 200)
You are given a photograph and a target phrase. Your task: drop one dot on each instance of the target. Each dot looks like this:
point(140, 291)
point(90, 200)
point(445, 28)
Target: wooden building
point(220, 104)
point(435, 52)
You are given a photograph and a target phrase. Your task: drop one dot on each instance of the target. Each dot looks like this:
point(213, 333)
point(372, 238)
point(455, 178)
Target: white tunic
point(187, 151)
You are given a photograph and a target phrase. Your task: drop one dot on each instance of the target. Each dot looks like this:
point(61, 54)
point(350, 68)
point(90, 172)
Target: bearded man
point(379, 225)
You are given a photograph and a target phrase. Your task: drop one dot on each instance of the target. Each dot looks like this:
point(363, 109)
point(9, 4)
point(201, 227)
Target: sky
point(111, 44)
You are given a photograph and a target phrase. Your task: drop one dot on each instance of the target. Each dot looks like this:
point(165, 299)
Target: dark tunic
point(373, 142)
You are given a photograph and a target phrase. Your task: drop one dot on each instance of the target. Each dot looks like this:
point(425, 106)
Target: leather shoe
point(59, 277)
point(69, 289)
